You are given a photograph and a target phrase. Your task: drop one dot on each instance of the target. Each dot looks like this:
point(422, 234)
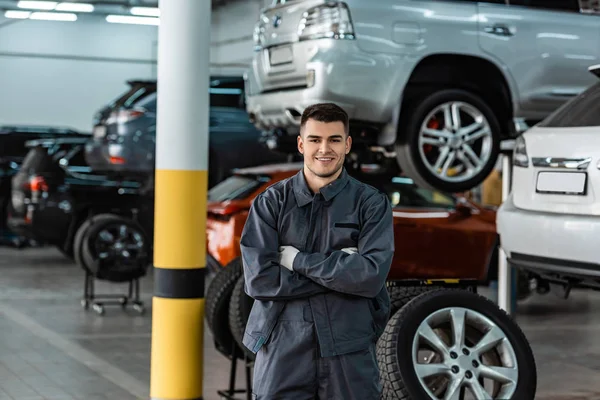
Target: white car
point(549, 225)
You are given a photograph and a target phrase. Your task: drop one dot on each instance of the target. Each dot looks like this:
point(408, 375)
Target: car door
point(435, 237)
point(545, 45)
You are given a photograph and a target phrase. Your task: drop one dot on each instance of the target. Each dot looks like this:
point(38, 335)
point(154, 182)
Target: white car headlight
point(520, 157)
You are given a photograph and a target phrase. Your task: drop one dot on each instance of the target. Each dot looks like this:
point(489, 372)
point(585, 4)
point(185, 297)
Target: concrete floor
point(51, 349)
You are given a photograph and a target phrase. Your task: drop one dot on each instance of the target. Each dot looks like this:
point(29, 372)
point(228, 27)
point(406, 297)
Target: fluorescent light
point(75, 7)
point(17, 14)
point(37, 5)
point(145, 11)
point(126, 19)
point(46, 16)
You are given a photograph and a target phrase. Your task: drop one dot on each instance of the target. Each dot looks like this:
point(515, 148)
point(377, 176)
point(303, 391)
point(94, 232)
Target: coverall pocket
point(350, 316)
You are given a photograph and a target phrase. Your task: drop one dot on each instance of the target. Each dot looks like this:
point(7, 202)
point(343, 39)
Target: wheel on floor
point(455, 344)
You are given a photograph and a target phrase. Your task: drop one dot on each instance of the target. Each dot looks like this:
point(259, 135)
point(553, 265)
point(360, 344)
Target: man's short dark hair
point(325, 112)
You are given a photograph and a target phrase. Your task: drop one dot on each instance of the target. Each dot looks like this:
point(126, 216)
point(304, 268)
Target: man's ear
point(348, 144)
point(300, 144)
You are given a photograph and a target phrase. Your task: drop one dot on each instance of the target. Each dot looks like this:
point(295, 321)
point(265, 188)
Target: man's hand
point(287, 254)
point(350, 250)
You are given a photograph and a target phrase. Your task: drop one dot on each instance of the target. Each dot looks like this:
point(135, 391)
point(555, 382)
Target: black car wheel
point(449, 140)
point(115, 248)
point(78, 241)
point(455, 344)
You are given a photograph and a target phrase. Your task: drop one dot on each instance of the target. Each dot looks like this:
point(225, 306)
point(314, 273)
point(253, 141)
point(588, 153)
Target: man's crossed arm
point(358, 271)
point(264, 276)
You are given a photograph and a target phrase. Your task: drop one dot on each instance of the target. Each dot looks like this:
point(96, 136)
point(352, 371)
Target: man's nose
point(324, 148)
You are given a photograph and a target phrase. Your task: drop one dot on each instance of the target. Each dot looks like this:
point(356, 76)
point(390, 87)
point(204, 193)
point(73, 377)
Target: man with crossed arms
point(316, 250)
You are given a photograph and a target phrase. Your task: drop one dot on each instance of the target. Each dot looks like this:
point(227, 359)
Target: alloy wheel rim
point(468, 357)
point(455, 141)
point(120, 244)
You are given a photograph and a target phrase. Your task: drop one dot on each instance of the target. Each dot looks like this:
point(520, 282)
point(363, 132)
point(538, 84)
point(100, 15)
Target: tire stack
point(227, 310)
point(439, 343)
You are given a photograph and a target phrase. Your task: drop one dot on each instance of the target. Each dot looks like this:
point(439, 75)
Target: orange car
point(440, 240)
point(437, 236)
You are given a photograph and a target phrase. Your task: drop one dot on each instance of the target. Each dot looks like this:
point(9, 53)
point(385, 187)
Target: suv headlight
point(329, 20)
point(520, 157)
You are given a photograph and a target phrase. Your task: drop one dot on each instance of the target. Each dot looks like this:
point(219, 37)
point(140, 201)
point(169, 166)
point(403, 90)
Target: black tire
point(394, 349)
point(407, 147)
point(108, 269)
point(401, 295)
point(239, 311)
point(77, 242)
point(218, 297)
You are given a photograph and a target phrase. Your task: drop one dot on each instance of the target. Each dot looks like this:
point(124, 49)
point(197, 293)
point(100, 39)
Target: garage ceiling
point(111, 6)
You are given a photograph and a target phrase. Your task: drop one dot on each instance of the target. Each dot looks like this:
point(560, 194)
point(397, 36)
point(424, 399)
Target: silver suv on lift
point(432, 86)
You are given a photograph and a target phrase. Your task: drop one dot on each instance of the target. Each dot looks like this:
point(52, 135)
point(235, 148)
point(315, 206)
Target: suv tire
point(425, 316)
point(418, 163)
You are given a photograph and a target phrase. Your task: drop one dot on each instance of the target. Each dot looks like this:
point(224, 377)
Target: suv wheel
point(452, 343)
point(449, 140)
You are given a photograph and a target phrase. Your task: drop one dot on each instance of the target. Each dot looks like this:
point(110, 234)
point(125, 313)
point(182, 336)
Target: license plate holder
point(563, 183)
point(280, 55)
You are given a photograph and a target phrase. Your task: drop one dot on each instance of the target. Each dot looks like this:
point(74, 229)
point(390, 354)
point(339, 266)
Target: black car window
point(227, 92)
point(583, 110)
point(236, 187)
point(138, 96)
point(148, 103)
point(12, 146)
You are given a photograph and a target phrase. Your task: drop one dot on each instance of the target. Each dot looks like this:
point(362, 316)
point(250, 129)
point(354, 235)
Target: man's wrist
point(298, 264)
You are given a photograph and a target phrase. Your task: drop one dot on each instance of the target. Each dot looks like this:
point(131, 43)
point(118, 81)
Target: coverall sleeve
point(265, 278)
point(363, 273)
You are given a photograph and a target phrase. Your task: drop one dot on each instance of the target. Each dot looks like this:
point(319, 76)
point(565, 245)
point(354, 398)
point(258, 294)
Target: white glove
point(287, 254)
point(350, 250)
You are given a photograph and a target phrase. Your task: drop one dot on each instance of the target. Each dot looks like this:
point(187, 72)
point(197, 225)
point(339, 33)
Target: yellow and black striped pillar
point(180, 202)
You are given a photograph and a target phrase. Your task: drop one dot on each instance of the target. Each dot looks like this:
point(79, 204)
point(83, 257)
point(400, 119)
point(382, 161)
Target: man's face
point(324, 145)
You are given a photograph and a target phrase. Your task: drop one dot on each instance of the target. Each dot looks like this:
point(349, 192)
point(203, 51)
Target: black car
point(12, 152)
point(125, 132)
point(54, 194)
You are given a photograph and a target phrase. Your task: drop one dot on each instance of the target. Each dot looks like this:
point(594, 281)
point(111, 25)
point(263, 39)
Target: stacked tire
point(227, 310)
point(439, 343)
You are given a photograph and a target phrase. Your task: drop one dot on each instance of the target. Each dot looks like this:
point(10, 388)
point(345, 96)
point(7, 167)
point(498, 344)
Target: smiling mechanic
point(317, 249)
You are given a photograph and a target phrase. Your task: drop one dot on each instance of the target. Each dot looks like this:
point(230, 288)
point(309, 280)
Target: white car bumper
point(565, 244)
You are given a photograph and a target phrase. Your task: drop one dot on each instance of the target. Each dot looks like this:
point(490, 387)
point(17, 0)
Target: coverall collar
point(303, 194)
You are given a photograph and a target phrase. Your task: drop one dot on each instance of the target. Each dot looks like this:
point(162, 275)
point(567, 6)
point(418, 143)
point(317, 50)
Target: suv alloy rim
point(459, 353)
point(455, 141)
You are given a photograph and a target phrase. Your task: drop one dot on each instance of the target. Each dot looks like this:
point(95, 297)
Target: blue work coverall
point(314, 329)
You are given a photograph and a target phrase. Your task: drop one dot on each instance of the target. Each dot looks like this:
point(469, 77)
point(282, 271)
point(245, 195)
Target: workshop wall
point(60, 73)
